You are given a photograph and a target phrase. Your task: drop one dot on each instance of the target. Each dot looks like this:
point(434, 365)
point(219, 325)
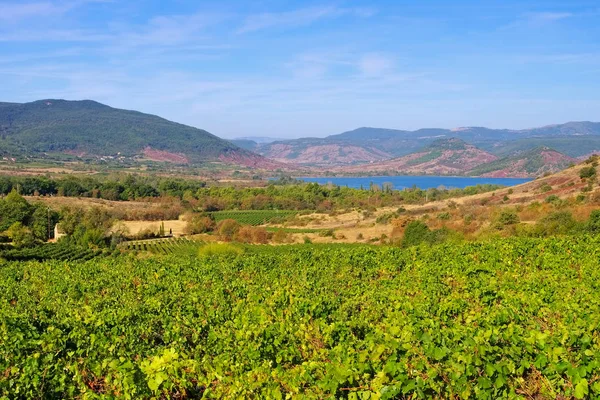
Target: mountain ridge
point(370, 144)
point(90, 128)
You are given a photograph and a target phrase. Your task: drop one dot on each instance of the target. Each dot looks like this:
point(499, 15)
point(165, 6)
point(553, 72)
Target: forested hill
point(90, 128)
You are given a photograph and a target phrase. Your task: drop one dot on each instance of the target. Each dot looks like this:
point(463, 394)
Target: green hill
point(91, 128)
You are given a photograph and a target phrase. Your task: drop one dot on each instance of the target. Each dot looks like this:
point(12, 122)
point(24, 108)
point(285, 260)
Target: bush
point(327, 233)
point(445, 216)
point(227, 229)
point(281, 236)
point(198, 223)
point(556, 223)
point(593, 224)
point(219, 249)
point(507, 218)
point(552, 198)
point(416, 233)
point(250, 234)
point(545, 188)
point(150, 232)
point(587, 172)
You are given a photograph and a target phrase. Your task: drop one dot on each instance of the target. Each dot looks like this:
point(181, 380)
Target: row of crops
point(510, 318)
point(163, 246)
point(50, 251)
point(253, 217)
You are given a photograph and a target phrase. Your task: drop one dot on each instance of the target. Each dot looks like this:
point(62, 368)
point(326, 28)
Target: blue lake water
point(422, 182)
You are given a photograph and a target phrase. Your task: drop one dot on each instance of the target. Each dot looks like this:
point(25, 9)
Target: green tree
point(416, 232)
point(21, 235)
point(593, 224)
point(14, 208)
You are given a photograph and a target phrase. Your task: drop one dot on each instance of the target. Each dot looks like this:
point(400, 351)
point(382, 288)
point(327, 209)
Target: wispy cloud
point(17, 11)
point(375, 64)
point(547, 17)
point(54, 35)
point(299, 17)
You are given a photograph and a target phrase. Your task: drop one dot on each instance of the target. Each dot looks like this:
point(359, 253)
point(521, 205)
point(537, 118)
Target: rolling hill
point(456, 157)
point(369, 145)
point(442, 157)
point(528, 163)
point(90, 129)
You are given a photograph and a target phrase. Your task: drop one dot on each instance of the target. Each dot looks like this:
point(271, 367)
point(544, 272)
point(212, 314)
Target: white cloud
point(544, 17)
point(14, 12)
point(300, 17)
point(375, 65)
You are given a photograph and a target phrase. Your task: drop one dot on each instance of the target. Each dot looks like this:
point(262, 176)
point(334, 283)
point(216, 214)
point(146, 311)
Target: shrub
point(545, 188)
point(307, 240)
point(219, 249)
point(552, 198)
point(467, 219)
point(593, 224)
point(507, 218)
point(198, 223)
point(250, 234)
point(359, 236)
point(150, 232)
point(587, 172)
point(327, 233)
point(556, 223)
point(281, 236)
point(227, 228)
point(416, 233)
point(445, 216)
point(385, 218)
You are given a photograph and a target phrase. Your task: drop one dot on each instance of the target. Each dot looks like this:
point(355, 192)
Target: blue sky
point(310, 68)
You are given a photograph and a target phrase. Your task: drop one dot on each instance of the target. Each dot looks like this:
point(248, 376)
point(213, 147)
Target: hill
point(371, 145)
point(442, 157)
point(530, 163)
point(456, 157)
point(88, 128)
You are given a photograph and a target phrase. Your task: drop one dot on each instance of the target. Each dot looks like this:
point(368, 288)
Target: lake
point(422, 182)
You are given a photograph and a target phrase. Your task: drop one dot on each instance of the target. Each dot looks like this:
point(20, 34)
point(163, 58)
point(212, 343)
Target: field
point(163, 246)
point(253, 217)
point(50, 251)
point(510, 318)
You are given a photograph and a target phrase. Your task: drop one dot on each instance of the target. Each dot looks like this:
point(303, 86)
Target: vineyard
point(253, 217)
point(50, 251)
point(163, 246)
point(510, 318)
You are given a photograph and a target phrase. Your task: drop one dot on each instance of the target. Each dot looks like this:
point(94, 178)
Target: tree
point(593, 224)
point(21, 236)
point(416, 232)
point(14, 208)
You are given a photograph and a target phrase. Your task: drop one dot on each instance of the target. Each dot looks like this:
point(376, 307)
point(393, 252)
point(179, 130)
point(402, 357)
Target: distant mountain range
point(90, 129)
point(368, 145)
point(93, 131)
